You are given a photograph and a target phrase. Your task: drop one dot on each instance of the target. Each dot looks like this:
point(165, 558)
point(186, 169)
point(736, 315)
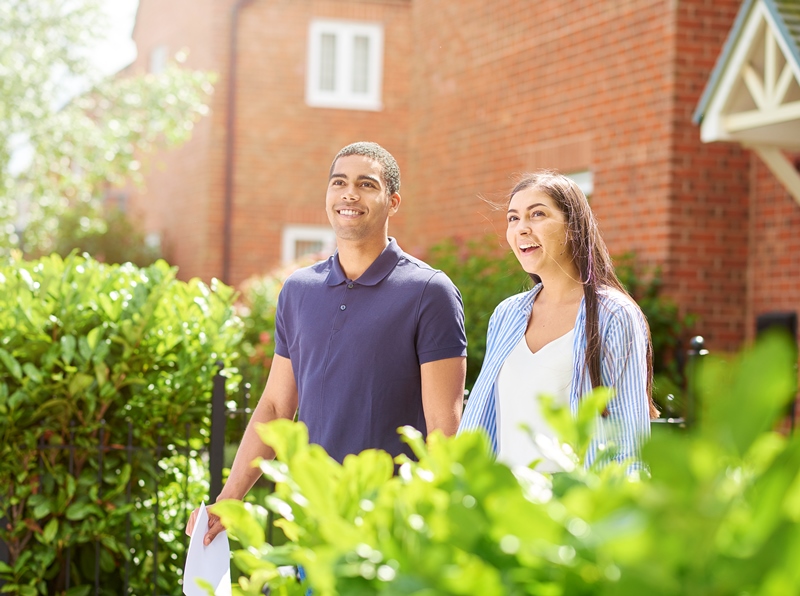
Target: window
point(584, 180)
point(345, 65)
point(158, 59)
point(301, 241)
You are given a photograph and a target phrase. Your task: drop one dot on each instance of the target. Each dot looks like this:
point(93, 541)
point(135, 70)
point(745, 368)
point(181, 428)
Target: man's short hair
point(389, 167)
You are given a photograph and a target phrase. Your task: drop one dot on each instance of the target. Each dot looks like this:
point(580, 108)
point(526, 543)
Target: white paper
point(211, 563)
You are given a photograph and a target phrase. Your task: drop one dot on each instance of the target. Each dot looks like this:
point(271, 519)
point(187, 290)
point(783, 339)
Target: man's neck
point(355, 257)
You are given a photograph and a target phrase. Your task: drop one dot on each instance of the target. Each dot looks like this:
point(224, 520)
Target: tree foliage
point(59, 149)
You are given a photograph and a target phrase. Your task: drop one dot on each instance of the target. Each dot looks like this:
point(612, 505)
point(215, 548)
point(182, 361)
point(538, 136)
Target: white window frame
point(159, 56)
point(293, 233)
point(345, 32)
point(585, 181)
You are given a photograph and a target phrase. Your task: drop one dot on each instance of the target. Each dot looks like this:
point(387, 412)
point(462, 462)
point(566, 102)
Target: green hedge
point(720, 514)
point(86, 348)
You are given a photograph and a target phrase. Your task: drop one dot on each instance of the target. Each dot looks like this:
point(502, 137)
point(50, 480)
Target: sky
point(118, 49)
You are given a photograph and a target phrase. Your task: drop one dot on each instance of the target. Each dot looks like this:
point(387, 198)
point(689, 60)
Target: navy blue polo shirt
point(356, 347)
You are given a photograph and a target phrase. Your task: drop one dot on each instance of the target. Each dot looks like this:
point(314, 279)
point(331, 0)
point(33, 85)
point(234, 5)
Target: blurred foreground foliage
point(89, 353)
point(68, 135)
point(720, 514)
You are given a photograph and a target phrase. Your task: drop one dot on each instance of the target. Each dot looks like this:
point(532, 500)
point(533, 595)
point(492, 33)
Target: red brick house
point(468, 93)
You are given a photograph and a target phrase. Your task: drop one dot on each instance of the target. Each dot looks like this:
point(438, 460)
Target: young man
point(369, 340)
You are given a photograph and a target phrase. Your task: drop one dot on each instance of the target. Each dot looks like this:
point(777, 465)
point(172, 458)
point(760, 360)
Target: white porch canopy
point(753, 95)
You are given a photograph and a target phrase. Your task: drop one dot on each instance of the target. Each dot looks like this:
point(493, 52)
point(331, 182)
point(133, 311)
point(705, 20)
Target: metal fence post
point(695, 352)
point(5, 556)
point(216, 455)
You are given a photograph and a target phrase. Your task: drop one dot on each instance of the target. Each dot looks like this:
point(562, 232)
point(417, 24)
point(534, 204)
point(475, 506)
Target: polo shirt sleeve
point(440, 321)
point(281, 322)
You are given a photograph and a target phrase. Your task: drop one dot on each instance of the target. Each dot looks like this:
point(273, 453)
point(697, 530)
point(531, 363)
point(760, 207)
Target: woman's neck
point(560, 290)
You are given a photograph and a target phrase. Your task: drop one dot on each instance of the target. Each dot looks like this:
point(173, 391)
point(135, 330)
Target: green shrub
point(86, 348)
point(720, 514)
point(112, 238)
point(669, 329)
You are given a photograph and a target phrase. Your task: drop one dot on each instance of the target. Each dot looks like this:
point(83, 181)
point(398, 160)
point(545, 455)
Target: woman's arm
point(624, 369)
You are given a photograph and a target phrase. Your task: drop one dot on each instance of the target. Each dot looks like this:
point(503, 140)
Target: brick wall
point(474, 94)
point(284, 147)
point(501, 88)
point(180, 183)
point(773, 263)
point(774, 258)
point(709, 188)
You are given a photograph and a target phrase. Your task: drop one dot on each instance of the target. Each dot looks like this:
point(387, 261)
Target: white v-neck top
point(522, 379)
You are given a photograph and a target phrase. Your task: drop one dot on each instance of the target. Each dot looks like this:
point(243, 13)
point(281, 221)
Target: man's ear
point(394, 203)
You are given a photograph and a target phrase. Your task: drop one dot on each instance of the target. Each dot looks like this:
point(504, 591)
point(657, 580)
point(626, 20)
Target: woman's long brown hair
point(590, 254)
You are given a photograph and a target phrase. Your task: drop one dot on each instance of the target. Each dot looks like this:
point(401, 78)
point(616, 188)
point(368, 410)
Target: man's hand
point(214, 526)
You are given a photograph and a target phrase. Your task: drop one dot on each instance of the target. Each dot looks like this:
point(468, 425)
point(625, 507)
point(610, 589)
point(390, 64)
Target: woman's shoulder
point(617, 304)
point(518, 302)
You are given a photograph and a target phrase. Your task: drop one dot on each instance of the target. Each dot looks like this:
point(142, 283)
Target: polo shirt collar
point(380, 268)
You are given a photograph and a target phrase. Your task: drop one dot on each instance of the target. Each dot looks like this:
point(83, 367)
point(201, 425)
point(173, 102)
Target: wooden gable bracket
point(753, 95)
point(780, 166)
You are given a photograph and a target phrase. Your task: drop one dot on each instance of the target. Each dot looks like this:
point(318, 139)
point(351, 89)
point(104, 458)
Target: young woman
point(576, 329)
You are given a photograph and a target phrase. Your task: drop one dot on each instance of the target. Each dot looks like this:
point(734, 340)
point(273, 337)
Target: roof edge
point(722, 60)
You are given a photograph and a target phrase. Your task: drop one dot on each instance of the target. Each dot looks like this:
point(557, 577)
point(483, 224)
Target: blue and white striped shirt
point(623, 336)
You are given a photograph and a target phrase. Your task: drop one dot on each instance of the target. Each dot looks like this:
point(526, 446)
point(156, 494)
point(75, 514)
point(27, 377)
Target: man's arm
point(279, 400)
point(443, 393)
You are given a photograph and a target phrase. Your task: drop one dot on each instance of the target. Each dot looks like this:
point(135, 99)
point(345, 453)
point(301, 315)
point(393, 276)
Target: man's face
point(357, 201)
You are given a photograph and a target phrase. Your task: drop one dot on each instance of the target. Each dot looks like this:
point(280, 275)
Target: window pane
point(360, 64)
point(306, 247)
point(327, 62)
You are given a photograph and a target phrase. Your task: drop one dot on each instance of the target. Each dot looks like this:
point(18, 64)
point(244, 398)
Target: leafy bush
point(112, 238)
point(86, 349)
point(720, 515)
point(669, 330)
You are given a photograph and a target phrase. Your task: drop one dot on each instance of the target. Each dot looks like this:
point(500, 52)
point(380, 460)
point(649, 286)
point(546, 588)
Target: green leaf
point(41, 510)
point(32, 372)
point(286, 437)
point(50, 530)
point(79, 510)
point(93, 337)
point(68, 344)
point(236, 517)
point(79, 382)
point(742, 399)
point(11, 364)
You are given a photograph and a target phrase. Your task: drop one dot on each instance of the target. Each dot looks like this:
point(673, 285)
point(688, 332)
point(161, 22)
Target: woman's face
point(537, 233)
